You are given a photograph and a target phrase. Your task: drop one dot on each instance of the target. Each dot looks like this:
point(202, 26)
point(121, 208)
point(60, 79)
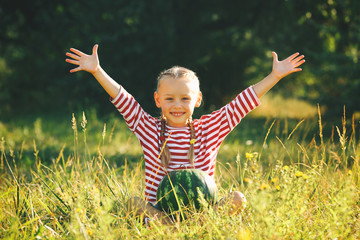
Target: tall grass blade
point(266, 136)
point(323, 154)
point(57, 196)
point(297, 125)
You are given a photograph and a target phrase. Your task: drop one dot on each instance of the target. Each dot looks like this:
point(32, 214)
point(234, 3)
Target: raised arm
point(90, 63)
point(280, 70)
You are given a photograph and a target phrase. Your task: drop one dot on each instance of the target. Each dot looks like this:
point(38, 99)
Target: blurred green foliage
point(228, 44)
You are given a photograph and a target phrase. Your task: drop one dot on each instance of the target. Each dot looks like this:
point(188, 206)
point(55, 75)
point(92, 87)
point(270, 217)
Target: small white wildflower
point(84, 122)
point(104, 132)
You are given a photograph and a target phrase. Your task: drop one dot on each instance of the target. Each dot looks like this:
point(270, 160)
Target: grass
point(300, 177)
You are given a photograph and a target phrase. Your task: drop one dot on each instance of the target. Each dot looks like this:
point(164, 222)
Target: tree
point(227, 43)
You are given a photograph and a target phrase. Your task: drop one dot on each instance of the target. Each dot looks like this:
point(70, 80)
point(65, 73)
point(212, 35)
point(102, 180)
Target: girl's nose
point(177, 104)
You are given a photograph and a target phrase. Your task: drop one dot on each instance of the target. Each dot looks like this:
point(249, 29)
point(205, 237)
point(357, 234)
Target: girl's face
point(177, 99)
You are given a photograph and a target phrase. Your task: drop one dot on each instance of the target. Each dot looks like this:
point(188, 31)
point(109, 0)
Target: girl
point(175, 141)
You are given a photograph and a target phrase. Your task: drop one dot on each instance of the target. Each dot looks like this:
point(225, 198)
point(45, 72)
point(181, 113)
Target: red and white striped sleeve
point(243, 104)
point(130, 109)
point(227, 117)
point(213, 128)
point(145, 128)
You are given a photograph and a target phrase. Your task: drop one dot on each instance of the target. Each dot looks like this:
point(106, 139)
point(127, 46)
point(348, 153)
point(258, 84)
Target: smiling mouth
point(177, 114)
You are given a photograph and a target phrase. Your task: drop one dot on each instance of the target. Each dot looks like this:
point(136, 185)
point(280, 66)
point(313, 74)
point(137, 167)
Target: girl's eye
point(186, 98)
point(168, 99)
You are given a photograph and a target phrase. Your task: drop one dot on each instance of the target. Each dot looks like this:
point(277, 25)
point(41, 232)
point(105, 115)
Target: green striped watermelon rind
point(187, 185)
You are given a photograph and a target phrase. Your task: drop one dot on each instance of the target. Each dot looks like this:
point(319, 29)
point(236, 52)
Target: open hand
point(89, 63)
point(287, 66)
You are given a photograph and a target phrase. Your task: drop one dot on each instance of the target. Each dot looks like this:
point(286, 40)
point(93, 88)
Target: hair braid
point(191, 152)
point(165, 155)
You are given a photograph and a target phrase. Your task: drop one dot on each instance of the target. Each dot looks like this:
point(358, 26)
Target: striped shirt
point(210, 131)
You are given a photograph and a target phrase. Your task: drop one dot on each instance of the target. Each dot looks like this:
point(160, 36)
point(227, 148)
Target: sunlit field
point(72, 179)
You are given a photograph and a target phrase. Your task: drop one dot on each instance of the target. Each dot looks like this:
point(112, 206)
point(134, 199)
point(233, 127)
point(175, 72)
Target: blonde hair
point(177, 72)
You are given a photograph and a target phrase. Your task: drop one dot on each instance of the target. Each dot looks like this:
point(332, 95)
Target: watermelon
point(187, 184)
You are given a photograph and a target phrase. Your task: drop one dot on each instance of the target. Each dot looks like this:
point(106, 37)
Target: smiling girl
point(176, 141)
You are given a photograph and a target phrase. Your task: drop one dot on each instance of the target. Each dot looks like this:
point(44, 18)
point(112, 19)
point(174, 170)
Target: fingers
point(275, 56)
point(299, 63)
point(95, 48)
point(80, 53)
point(298, 59)
point(290, 58)
point(76, 57)
point(75, 62)
point(75, 69)
point(294, 70)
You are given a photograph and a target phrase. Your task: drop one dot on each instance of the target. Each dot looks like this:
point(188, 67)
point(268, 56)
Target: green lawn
point(72, 178)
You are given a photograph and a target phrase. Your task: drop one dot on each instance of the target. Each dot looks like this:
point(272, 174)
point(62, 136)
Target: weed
point(299, 184)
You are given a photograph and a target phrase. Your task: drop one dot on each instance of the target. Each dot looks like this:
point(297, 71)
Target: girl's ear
point(157, 99)
point(199, 100)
